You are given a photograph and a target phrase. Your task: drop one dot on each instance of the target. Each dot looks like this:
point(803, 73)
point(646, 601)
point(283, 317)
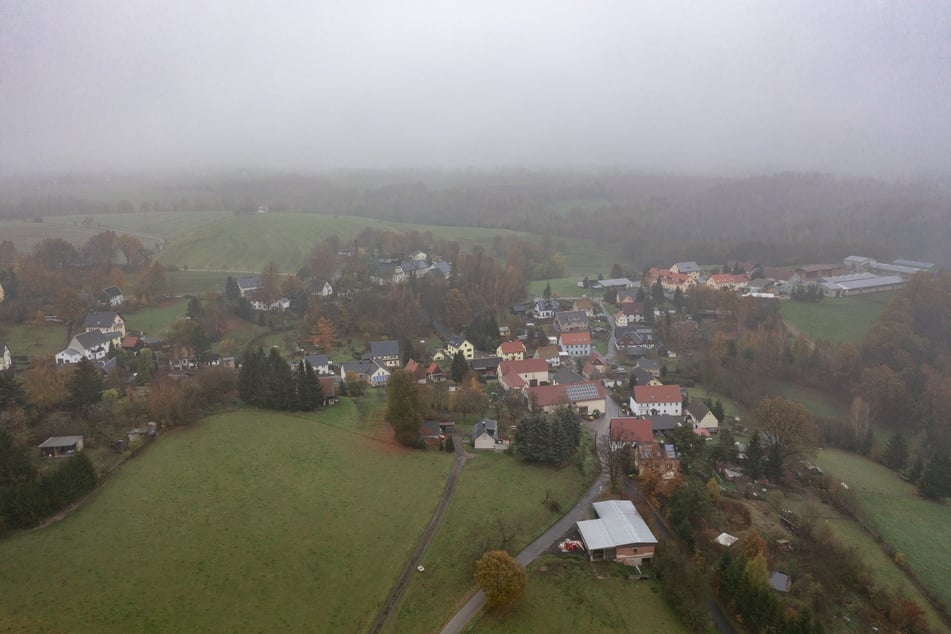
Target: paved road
point(399, 588)
point(578, 512)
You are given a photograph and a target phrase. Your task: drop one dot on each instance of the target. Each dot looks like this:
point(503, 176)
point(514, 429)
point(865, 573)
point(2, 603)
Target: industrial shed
point(619, 534)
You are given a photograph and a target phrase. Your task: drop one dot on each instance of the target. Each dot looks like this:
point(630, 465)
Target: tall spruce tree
point(85, 386)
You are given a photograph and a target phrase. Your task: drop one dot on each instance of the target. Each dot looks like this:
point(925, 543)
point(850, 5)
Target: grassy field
point(492, 488)
point(818, 403)
point(249, 521)
point(883, 568)
point(24, 339)
point(890, 503)
point(197, 282)
point(838, 320)
point(572, 595)
point(560, 287)
point(155, 321)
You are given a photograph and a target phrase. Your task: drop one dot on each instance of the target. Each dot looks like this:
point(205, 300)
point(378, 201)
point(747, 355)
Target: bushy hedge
point(27, 504)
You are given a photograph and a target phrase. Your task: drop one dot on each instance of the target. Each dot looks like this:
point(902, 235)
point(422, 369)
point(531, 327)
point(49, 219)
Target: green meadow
point(836, 319)
point(570, 594)
point(248, 521)
point(496, 493)
point(912, 525)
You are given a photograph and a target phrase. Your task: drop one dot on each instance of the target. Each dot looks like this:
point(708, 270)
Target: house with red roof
point(629, 432)
point(575, 344)
point(511, 350)
point(727, 281)
point(651, 400)
point(518, 375)
point(583, 397)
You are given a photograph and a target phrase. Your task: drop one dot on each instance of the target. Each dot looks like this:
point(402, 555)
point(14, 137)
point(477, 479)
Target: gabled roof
point(456, 341)
point(651, 365)
point(486, 425)
point(91, 340)
point(687, 267)
point(60, 442)
point(697, 408)
point(575, 338)
point(487, 362)
point(548, 352)
point(317, 360)
point(430, 429)
point(663, 422)
point(247, 283)
point(512, 347)
point(112, 292)
point(104, 319)
point(548, 395)
point(618, 524)
point(566, 375)
point(631, 430)
point(650, 394)
point(524, 366)
point(382, 349)
point(631, 308)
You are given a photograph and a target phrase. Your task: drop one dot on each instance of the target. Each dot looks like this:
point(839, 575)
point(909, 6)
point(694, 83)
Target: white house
point(6, 361)
point(699, 416)
point(575, 344)
point(113, 296)
point(322, 288)
point(458, 343)
point(367, 370)
point(485, 434)
point(93, 345)
point(516, 375)
point(386, 353)
point(511, 350)
point(651, 400)
point(319, 362)
point(106, 322)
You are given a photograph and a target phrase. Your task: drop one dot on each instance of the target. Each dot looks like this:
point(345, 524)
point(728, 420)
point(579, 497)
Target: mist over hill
point(776, 218)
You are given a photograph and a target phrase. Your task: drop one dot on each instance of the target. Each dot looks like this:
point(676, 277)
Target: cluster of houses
point(856, 275)
point(392, 271)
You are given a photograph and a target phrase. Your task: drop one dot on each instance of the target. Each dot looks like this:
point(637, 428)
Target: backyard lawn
point(836, 319)
point(569, 594)
point(493, 488)
point(890, 503)
point(248, 521)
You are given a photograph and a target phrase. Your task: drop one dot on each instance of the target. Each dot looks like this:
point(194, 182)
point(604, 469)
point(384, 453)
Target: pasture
point(889, 504)
point(836, 319)
point(155, 320)
point(247, 521)
point(561, 287)
point(31, 341)
point(569, 594)
point(496, 493)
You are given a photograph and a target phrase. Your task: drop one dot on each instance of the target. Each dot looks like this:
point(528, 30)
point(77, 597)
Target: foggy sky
point(851, 87)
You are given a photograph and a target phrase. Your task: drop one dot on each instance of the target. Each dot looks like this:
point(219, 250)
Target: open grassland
point(249, 521)
point(31, 341)
point(560, 287)
point(152, 225)
point(152, 228)
point(248, 243)
point(836, 319)
point(818, 403)
point(155, 320)
point(192, 282)
point(572, 595)
point(912, 525)
point(495, 492)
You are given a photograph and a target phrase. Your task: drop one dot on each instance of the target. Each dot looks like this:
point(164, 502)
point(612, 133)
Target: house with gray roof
point(366, 371)
point(92, 345)
point(618, 534)
point(247, 285)
point(386, 352)
point(485, 434)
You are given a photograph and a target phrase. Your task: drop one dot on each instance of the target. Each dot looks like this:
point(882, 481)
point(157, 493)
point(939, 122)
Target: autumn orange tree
point(500, 577)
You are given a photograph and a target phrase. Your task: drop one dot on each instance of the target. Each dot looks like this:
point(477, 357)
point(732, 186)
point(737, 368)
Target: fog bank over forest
point(854, 88)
